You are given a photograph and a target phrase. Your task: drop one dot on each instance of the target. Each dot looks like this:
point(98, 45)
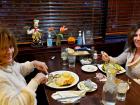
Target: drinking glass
point(64, 55)
point(122, 90)
point(71, 61)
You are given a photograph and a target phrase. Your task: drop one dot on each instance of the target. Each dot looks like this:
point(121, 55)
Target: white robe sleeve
point(9, 95)
point(26, 68)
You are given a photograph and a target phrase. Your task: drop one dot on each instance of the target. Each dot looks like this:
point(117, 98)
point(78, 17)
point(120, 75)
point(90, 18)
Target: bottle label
point(49, 42)
point(79, 41)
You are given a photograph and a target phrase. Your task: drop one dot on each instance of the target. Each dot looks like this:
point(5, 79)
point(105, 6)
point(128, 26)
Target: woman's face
point(6, 55)
point(137, 39)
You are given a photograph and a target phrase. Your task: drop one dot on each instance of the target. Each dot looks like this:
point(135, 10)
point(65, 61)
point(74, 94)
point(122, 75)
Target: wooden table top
point(91, 98)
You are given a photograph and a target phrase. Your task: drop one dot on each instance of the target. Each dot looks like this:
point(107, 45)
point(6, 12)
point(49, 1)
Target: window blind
point(76, 15)
point(122, 14)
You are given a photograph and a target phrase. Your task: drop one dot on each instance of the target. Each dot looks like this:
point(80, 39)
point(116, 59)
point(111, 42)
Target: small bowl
point(86, 61)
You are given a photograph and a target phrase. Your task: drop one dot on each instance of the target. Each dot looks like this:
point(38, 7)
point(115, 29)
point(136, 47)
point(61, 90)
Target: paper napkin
point(68, 96)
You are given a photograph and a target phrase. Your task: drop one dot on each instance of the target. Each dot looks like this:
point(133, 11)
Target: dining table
point(91, 98)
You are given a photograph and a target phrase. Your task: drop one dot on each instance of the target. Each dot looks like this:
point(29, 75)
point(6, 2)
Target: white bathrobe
point(13, 87)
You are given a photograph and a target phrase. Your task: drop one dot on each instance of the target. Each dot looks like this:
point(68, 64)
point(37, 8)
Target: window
point(122, 14)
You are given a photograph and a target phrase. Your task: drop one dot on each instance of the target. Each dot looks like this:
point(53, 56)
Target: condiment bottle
point(49, 40)
point(79, 39)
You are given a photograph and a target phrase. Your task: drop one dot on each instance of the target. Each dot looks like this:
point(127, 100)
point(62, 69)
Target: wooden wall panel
point(76, 15)
point(122, 14)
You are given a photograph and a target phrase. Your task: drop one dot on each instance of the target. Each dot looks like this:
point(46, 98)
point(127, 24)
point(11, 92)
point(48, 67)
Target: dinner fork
point(73, 102)
point(51, 77)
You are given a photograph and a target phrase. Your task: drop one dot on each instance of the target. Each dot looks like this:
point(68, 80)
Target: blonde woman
point(13, 88)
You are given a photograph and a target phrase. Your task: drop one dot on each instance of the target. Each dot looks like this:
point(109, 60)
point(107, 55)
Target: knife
point(69, 97)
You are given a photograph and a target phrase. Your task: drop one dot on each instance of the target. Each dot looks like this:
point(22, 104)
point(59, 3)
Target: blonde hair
point(7, 40)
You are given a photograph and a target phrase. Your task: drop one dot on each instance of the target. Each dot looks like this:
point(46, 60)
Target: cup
point(64, 55)
point(71, 61)
point(122, 90)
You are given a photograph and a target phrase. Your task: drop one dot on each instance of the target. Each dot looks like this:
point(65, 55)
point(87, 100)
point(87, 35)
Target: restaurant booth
point(101, 24)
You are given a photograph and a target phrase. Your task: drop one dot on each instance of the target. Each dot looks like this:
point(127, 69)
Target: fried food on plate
point(64, 79)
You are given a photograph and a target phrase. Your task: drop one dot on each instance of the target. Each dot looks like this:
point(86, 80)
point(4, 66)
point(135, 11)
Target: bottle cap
point(80, 33)
point(49, 34)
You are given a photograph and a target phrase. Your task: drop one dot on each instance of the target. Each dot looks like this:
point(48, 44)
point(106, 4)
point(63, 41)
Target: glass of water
point(71, 60)
point(122, 90)
point(64, 55)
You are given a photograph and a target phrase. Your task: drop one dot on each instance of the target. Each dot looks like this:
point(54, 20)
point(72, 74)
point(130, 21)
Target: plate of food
point(89, 68)
point(85, 61)
point(63, 79)
point(119, 68)
point(87, 85)
point(77, 53)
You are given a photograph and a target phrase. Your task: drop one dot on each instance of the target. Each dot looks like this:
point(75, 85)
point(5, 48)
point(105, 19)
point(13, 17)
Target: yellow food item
point(66, 74)
point(81, 53)
point(64, 79)
point(70, 50)
point(113, 67)
point(117, 81)
point(73, 52)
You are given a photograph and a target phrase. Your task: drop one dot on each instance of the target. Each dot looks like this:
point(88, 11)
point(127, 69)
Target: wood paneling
point(122, 14)
point(76, 15)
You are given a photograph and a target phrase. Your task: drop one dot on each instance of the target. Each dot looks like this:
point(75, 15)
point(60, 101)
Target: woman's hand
point(41, 66)
point(105, 56)
point(40, 78)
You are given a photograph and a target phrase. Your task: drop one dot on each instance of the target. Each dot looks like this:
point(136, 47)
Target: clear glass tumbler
point(64, 55)
point(71, 61)
point(122, 90)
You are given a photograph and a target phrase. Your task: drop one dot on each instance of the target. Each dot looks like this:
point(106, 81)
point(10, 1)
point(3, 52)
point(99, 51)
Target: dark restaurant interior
point(105, 25)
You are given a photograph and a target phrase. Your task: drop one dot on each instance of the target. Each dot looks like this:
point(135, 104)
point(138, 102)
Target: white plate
point(82, 86)
point(119, 72)
point(53, 85)
point(89, 68)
